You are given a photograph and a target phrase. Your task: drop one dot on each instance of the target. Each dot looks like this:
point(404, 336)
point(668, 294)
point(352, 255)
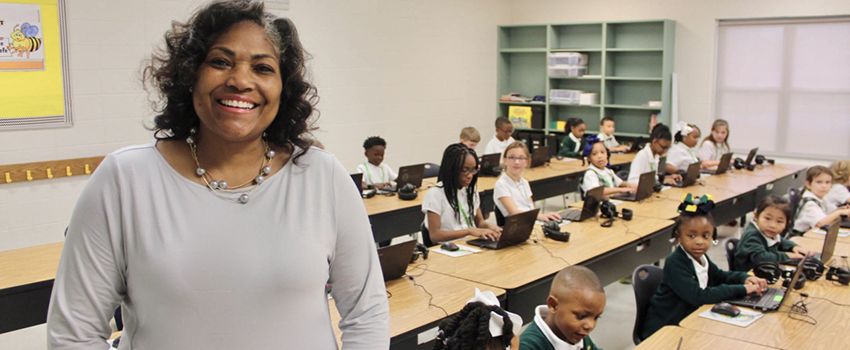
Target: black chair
point(431, 170)
point(794, 195)
point(645, 281)
point(426, 236)
point(730, 244)
point(500, 219)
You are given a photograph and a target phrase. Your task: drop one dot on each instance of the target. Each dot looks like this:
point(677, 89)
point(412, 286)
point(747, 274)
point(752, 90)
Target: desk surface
point(29, 265)
point(779, 330)
point(519, 265)
point(409, 308)
point(668, 338)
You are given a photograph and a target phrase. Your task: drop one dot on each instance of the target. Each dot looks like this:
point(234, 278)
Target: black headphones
point(839, 275)
point(769, 270)
point(420, 251)
point(760, 159)
point(813, 269)
point(738, 163)
point(552, 230)
point(407, 192)
point(801, 282)
point(608, 209)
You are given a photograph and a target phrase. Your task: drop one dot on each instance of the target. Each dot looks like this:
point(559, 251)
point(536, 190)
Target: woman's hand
point(549, 217)
point(486, 233)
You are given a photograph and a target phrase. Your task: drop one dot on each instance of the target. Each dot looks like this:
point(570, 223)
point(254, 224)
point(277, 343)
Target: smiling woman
point(192, 235)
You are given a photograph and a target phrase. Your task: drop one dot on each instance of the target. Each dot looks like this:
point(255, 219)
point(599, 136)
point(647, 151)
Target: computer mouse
point(450, 246)
point(726, 309)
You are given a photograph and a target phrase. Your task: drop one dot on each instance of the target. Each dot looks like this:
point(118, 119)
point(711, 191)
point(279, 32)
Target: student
point(839, 195)
point(376, 173)
point(812, 210)
point(481, 324)
point(606, 134)
point(452, 207)
point(598, 174)
point(646, 159)
point(512, 192)
point(573, 143)
point(575, 302)
point(716, 144)
point(690, 279)
point(763, 238)
point(502, 138)
point(470, 137)
point(684, 152)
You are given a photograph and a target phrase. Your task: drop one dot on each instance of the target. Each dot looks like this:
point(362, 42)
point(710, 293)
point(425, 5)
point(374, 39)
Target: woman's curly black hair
point(469, 329)
point(173, 71)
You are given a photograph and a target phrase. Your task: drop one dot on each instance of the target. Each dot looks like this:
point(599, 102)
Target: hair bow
point(588, 146)
point(685, 128)
point(692, 205)
point(496, 320)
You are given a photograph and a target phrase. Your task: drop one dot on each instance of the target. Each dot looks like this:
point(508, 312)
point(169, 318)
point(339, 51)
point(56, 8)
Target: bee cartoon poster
point(33, 72)
point(21, 40)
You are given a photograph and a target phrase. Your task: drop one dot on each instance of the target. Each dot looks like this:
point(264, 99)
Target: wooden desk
point(669, 336)
point(410, 313)
point(526, 270)
point(26, 280)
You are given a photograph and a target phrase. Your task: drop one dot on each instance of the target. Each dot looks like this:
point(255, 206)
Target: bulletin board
point(34, 78)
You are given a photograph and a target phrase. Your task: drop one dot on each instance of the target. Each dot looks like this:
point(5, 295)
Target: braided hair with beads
point(450, 169)
point(469, 329)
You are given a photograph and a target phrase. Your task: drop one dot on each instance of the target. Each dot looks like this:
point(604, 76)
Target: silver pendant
point(243, 198)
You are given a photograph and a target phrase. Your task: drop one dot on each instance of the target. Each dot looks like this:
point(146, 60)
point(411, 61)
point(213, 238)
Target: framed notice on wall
point(34, 78)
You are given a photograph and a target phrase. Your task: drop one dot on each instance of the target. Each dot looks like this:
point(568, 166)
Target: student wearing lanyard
point(513, 193)
point(452, 208)
point(598, 174)
point(646, 159)
point(684, 153)
point(716, 144)
point(376, 173)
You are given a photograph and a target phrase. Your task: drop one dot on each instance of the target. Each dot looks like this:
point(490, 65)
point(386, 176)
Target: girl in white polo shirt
point(452, 207)
point(513, 193)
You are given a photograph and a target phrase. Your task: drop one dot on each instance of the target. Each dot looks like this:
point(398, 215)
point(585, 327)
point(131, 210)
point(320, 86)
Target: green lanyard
point(369, 174)
point(463, 212)
point(693, 156)
point(602, 177)
point(718, 151)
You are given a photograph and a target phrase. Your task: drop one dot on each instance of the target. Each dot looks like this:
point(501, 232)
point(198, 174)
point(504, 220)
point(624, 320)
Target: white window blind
point(784, 85)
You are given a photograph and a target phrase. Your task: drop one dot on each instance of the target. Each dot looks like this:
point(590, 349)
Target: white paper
point(461, 251)
point(842, 232)
point(744, 319)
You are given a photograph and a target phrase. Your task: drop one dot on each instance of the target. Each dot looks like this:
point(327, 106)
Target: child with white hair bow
point(684, 152)
point(463, 330)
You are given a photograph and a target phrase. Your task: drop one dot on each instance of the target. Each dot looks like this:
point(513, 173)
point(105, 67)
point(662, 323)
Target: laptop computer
point(690, 177)
point(590, 208)
point(395, 258)
point(358, 181)
point(489, 165)
point(751, 156)
point(517, 229)
point(828, 246)
point(411, 174)
point(539, 156)
point(725, 159)
point(773, 298)
point(636, 145)
point(644, 189)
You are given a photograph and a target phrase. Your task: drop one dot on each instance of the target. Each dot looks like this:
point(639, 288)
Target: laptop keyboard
point(763, 300)
point(570, 214)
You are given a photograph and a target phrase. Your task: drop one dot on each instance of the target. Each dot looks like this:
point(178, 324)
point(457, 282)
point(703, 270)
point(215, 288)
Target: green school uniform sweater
point(679, 293)
point(752, 249)
point(567, 147)
point(534, 339)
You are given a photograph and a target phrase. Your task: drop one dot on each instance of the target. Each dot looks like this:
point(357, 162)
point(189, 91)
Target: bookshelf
point(629, 64)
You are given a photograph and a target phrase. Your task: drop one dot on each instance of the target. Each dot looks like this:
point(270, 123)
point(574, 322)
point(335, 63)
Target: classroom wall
point(413, 72)
point(695, 34)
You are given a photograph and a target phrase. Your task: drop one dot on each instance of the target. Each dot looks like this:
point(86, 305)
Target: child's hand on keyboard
point(755, 285)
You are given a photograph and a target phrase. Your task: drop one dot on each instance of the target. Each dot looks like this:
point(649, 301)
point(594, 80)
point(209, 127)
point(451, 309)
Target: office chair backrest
point(645, 281)
point(431, 170)
point(730, 244)
point(794, 195)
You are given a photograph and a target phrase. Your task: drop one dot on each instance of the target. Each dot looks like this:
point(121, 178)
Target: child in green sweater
point(575, 302)
point(762, 239)
point(574, 143)
point(690, 279)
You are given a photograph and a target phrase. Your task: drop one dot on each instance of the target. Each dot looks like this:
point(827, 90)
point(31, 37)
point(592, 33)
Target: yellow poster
point(520, 116)
point(32, 84)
